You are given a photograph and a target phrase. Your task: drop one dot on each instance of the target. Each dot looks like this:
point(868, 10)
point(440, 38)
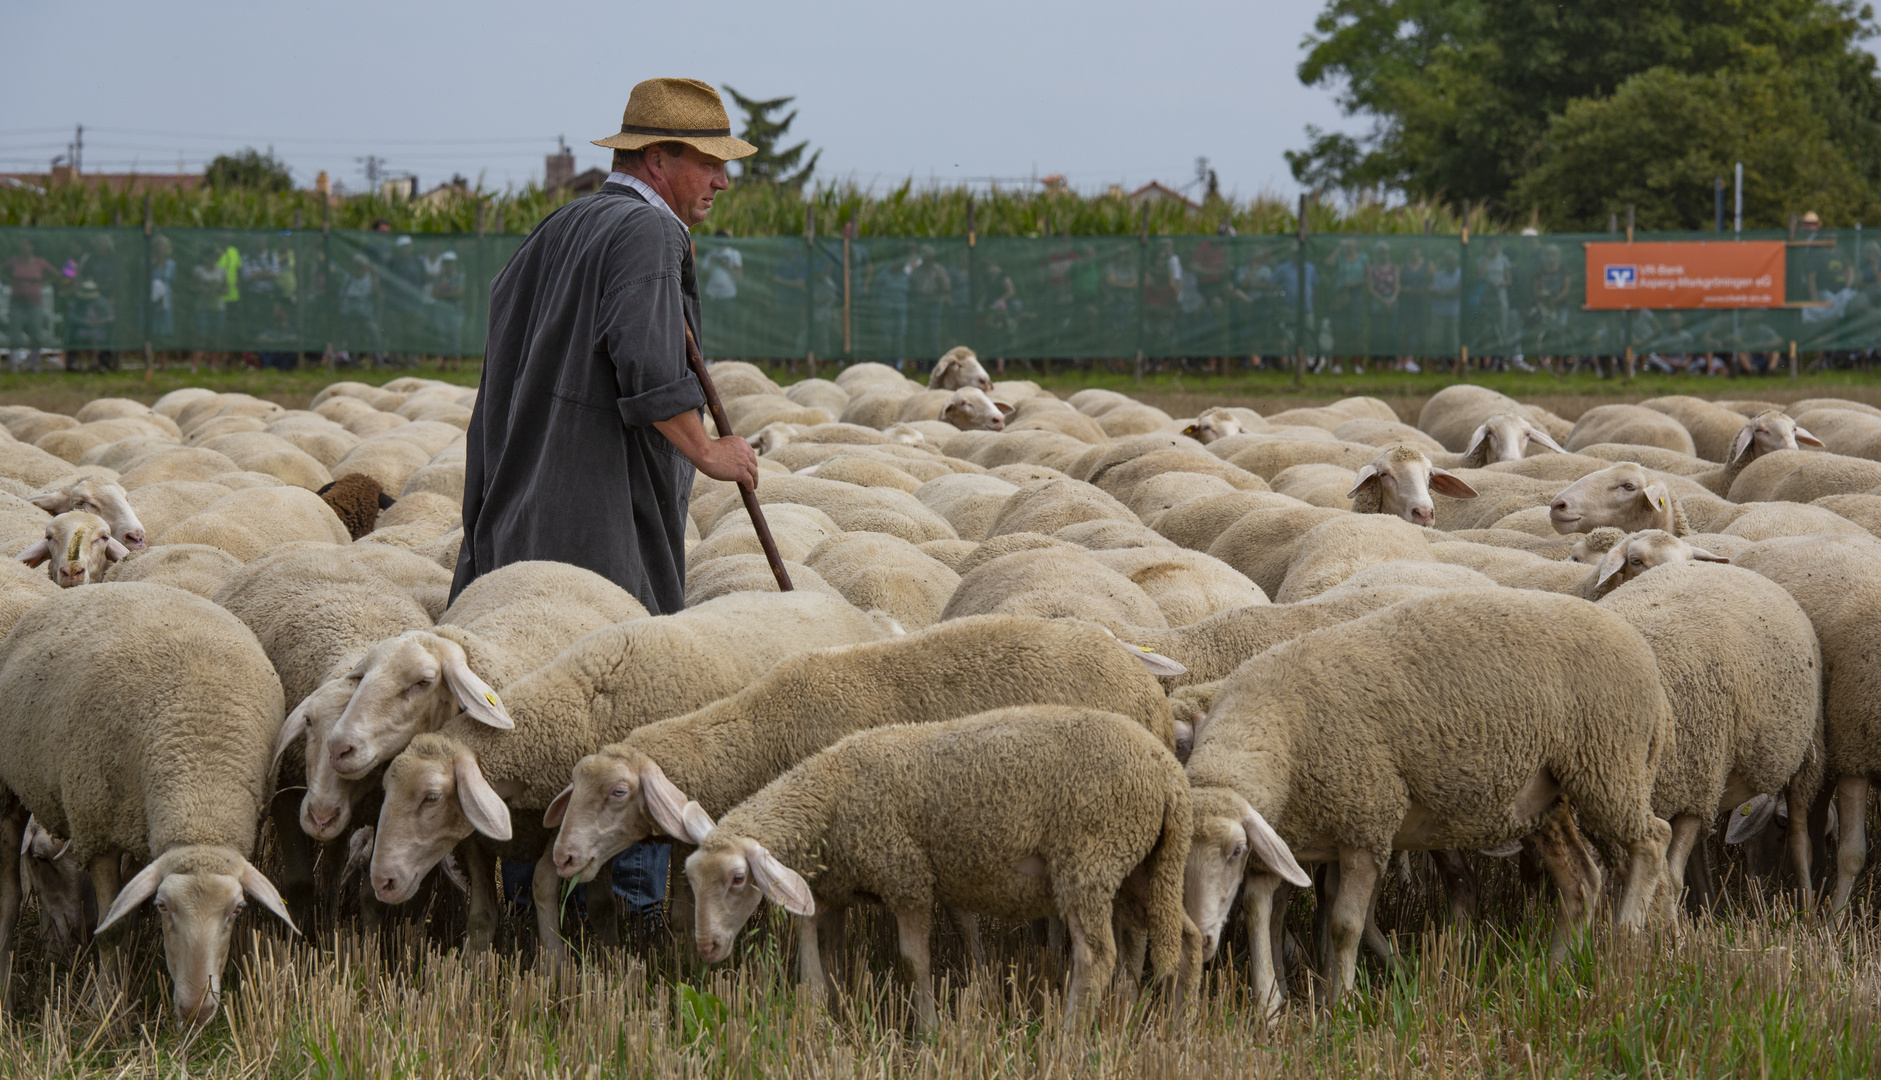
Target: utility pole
point(78, 151)
point(1739, 226)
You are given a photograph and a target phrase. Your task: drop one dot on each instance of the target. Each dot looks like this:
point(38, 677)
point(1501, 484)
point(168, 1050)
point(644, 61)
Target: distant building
point(134, 183)
point(1154, 192)
point(559, 176)
point(457, 188)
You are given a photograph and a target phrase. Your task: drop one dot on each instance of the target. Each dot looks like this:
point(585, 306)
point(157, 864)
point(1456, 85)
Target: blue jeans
point(638, 876)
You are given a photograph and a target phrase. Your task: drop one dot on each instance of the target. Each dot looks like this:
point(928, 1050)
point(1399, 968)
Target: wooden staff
point(697, 361)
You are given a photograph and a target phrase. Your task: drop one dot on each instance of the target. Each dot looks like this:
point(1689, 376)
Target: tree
point(249, 169)
point(1662, 139)
point(1463, 93)
point(771, 165)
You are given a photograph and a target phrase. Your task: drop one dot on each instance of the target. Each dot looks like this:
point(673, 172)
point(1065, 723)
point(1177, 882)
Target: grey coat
point(586, 350)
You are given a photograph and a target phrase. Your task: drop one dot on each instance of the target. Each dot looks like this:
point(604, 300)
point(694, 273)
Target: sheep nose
point(565, 865)
point(1421, 515)
point(1208, 944)
point(197, 1014)
point(386, 887)
point(321, 821)
point(1558, 504)
point(342, 753)
point(134, 539)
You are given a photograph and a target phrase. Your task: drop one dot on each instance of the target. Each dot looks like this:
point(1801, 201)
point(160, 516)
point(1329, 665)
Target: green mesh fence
point(1099, 298)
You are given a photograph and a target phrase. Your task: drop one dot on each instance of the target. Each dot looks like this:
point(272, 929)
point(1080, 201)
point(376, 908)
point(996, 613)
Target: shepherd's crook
point(697, 361)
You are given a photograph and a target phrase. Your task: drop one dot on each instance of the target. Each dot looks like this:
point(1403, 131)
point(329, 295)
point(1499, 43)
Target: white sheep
point(78, 548)
point(957, 368)
point(970, 409)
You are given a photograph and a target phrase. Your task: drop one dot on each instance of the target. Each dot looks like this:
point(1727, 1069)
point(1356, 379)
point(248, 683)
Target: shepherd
point(587, 427)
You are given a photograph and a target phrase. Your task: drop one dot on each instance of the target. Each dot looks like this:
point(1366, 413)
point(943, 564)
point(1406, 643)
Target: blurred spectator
point(359, 307)
point(932, 294)
point(404, 297)
point(1293, 304)
point(1348, 300)
point(31, 279)
point(893, 282)
point(1120, 287)
point(1001, 319)
point(260, 274)
point(91, 320)
point(447, 308)
point(1413, 302)
point(1496, 276)
point(1550, 285)
point(1446, 302)
point(1835, 288)
point(1162, 284)
point(1381, 286)
point(723, 268)
point(161, 311)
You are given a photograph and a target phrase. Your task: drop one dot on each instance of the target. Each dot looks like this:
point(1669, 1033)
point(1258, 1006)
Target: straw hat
point(677, 110)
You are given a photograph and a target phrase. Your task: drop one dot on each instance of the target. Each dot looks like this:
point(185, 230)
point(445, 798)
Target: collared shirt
point(646, 192)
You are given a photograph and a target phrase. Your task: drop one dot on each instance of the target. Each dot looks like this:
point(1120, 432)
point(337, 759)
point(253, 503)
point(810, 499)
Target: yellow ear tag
point(1662, 502)
point(1144, 648)
point(489, 697)
point(1744, 810)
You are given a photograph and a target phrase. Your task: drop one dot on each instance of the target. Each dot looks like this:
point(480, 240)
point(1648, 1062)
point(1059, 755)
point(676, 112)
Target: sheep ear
point(1803, 436)
point(1445, 483)
point(113, 549)
point(1272, 849)
point(386, 501)
point(665, 803)
point(1193, 431)
point(698, 824)
point(1659, 497)
point(135, 892)
point(1004, 409)
point(1610, 564)
point(473, 694)
point(1535, 434)
point(1476, 439)
point(1365, 474)
point(1750, 818)
point(52, 502)
point(292, 728)
point(486, 811)
point(257, 885)
point(1742, 442)
point(779, 883)
point(1155, 661)
point(39, 551)
point(1705, 556)
point(558, 809)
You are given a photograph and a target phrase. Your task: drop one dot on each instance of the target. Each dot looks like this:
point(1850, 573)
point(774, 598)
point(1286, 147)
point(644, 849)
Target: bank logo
point(1622, 277)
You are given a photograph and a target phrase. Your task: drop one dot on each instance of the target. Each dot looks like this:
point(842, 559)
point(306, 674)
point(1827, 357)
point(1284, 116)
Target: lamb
point(1837, 582)
point(958, 368)
point(1624, 496)
point(720, 755)
point(593, 693)
point(77, 549)
point(158, 752)
point(1505, 436)
point(95, 494)
point(1741, 669)
point(985, 817)
point(356, 499)
point(1765, 433)
point(1399, 482)
point(68, 905)
point(1629, 424)
point(1431, 758)
point(969, 409)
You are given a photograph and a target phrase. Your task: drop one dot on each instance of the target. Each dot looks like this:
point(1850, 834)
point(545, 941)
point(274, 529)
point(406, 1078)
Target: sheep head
point(1227, 830)
point(435, 797)
point(1768, 430)
point(405, 685)
point(79, 546)
point(198, 891)
point(958, 368)
point(1505, 437)
point(618, 798)
point(327, 807)
point(729, 875)
point(1399, 482)
point(775, 435)
point(96, 495)
point(67, 905)
point(1625, 496)
point(971, 410)
point(1212, 424)
point(1641, 552)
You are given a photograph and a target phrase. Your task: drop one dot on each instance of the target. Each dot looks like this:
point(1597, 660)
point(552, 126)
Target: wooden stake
point(696, 361)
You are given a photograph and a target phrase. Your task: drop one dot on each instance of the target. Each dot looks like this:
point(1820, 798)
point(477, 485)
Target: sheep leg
point(1132, 949)
point(832, 935)
point(1645, 867)
point(679, 902)
point(810, 977)
point(1093, 953)
point(480, 868)
point(1359, 871)
point(545, 889)
point(1459, 885)
point(1798, 841)
point(1851, 843)
point(296, 876)
point(1684, 836)
point(969, 926)
point(1277, 934)
point(1262, 948)
point(105, 882)
point(12, 835)
point(912, 926)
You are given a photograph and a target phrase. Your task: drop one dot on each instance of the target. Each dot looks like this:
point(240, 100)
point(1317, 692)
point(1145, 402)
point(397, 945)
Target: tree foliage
point(250, 169)
point(764, 130)
point(1464, 95)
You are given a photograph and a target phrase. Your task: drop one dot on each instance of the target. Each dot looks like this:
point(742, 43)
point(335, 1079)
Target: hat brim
point(723, 147)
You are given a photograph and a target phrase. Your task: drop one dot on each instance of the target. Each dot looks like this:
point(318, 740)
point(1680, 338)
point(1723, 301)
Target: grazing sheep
point(77, 548)
point(258, 451)
point(1011, 543)
point(1629, 424)
point(854, 468)
point(254, 521)
point(852, 508)
point(71, 443)
point(1198, 523)
point(389, 459)
point(969, 409)
point(1123, 478)
point(1034, 414)
point(317, 437)
point(984, 816)
point(1741, 669)
point(1108, 535)
point(68, 905)
point(1842, 430)
point(158, 752)
point(1159, 494)
point(98, 495)
point(754, 411)
point(1624, 496)
point(874, 571)
point(1443, 753)
point(434, 513)
point(594, 693)
point(1268, 457)
point(958, 368)
point(1334, 550)
point(35, 468)
point(357, 500)
point(194, 568)
point(990, 449)
point(1057, 583)
point(1767, 521)
point(877, 407)
point(182, 463)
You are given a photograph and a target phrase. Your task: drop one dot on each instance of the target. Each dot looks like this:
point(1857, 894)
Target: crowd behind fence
point(92, 295)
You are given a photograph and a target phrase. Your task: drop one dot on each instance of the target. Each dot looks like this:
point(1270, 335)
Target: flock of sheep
point(1069, 660)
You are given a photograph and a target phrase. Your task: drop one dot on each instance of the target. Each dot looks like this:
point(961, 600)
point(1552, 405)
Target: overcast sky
point(1101, 91)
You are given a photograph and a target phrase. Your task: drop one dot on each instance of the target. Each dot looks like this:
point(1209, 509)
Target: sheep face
point(96, 495)
point(435, 797)
point(67, 904)
point(198, 892)
point(79, 546)
point(1399, 482)
point(1226, 832)
point(971, 410)
point(1624, 496)
point(1507, 436)
point(1589, 548)
point(619, 796)
point(1641, 552)
point(958, 368)
point(906, 435)
point(405, 685)
point(1769, 430)
point(775, 435)
point(729, 875)
point(327, 807)
point(1216, 423)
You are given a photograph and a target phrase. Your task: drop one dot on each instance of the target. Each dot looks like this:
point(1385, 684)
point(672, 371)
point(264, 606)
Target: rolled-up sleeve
point(643, 328)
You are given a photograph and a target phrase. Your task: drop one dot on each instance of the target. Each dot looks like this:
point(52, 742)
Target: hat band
point(674, 133)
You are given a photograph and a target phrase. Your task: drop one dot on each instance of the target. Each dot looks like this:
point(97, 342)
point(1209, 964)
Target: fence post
point(150, 354)
point(849, 233)
point(1462, 299)
point(809, 288)
point(973, 290)
point(1301, 308)
point(1792, 361)
point(1627, 316)
point(1142, 283)
point(329, 275)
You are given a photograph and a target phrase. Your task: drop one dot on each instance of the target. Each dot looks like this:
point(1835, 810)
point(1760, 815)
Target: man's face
point(693, 177)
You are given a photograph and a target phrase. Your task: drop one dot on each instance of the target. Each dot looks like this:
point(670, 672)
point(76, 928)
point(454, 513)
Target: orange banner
point(1685, 274)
